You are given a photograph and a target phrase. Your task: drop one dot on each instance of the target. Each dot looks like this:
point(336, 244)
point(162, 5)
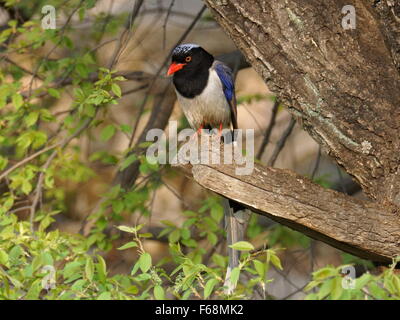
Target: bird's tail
point(236, 220)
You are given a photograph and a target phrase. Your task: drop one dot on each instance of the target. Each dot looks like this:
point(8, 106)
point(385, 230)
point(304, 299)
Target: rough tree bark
point(344, 88)
point(362, 228)
point(344, 85)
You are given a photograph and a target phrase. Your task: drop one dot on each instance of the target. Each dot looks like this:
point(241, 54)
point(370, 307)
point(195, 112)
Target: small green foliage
point(242, 246)
point(330, 283)
point(250, 98)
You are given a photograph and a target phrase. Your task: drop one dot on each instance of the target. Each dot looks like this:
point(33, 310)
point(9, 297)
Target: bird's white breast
point(209, 107)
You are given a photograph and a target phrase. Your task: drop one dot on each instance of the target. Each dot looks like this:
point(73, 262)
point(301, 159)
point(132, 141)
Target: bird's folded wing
point(226, 76)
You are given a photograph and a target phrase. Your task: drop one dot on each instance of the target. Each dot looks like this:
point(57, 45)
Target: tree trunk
point(343, 85)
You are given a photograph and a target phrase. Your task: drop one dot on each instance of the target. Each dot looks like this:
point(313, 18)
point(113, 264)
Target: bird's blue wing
point(225, 75)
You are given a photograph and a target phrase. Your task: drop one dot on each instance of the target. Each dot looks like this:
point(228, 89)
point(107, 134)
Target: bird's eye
point(188, 59)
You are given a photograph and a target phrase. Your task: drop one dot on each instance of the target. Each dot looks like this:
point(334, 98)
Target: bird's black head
point(189, 59)
point(190, 66)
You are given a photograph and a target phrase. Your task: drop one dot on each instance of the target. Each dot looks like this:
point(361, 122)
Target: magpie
point(206, 93)
point(204, 87)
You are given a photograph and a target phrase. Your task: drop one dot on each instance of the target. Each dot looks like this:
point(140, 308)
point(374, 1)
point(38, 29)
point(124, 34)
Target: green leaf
point(191, 243)
point(145, 262)
point(396, 284)
point(311, 296)
point(337, 288)
point(89, 269)
point(34, 290)
point(31, 118)
point(107, 133)
point(146, 235)
point(242, 246)
point(26, 187)
point(325, 289)
point(40, 139)
point(174, 236)
point(159, 293)
point(90, 110)
point(47, 258)
point(125, 128)
point(217, 213)
point(208, 288)
point(388, 283)
point(168, 223)
point(78, 285)
point(143, 277)
point(135, 268)
point(128, 245)
point(362, 281)
point(104, 296)
point(117, 206)
point(219, 260)
point(189, 222)
point(276, 261)
point(3, 257)
point(311, 285)
point(260, 268)
point(15, 253)
point(127, 229)
point(17, 100)
point(324, 273)
point(235, 276)
point(116, 89)
point(128, 161)
point(3, 162)
point(376, 290)
point(71, 268)
point(101, 268)
point(54, 93)
point(49, 180)
point(212, 238)
point(185, 233)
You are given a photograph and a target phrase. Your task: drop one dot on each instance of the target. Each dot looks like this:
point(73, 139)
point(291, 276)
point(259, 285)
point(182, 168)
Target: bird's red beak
point(174, 67)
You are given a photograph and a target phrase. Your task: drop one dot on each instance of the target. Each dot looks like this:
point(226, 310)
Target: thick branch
point(359, 227)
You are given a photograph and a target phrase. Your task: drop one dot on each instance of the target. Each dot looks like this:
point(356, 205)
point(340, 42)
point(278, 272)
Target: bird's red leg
point(199, 130)
point(220, 130)
point(197, 133)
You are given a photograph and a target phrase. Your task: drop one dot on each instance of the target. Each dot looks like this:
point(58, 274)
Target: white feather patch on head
point(184, 48)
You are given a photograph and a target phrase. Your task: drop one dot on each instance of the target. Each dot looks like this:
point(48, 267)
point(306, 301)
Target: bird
point(205, 90)
point(204, 87)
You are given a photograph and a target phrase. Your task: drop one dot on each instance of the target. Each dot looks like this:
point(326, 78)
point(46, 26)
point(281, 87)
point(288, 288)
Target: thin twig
point(253, 116)
point(38, 189)
point(294, 292)
point(28, 159)
point(165, 23)
point(123, 39)
point(288, 280)
point(341, 180)
point(317, 162)
point(62, 30)
point(281, 143)
point(19, 209)
point(175, 193)
point(268, 132)
point(7, 59)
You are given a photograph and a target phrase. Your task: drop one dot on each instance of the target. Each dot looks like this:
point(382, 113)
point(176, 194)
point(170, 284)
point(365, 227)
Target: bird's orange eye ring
point(188, 59)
